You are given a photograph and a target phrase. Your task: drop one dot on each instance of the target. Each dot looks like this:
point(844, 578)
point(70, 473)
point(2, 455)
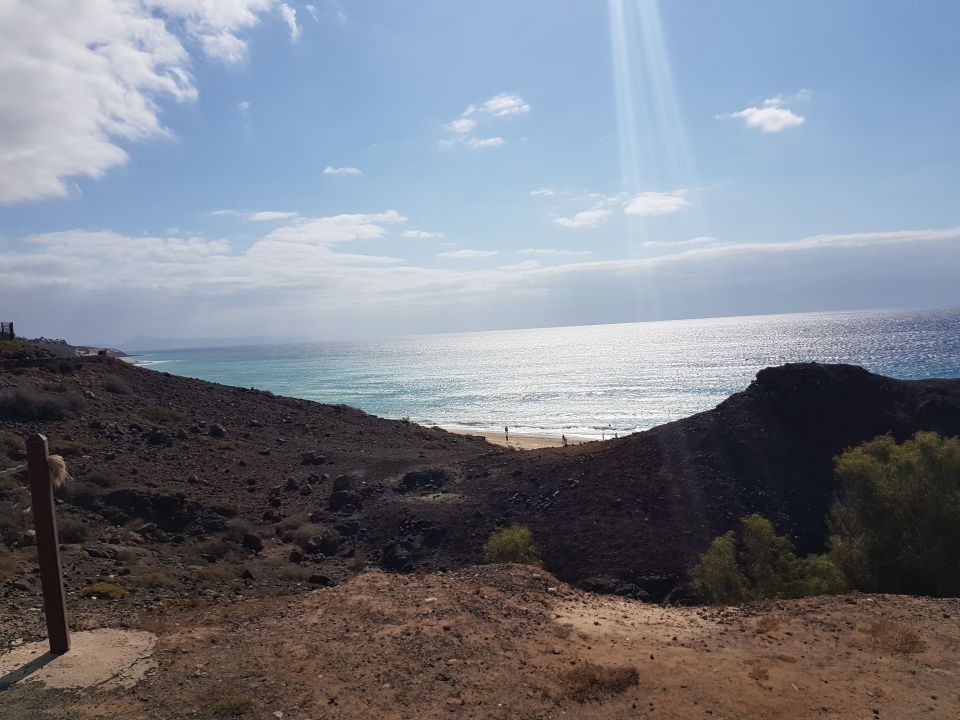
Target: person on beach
point(506, 433)
point(564, 438)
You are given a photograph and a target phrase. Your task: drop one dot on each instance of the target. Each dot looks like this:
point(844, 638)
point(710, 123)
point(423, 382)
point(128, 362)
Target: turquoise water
point(591, 380)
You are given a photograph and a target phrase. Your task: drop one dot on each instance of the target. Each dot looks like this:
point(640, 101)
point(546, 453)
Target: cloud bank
point(328, 277)
point(84, 77)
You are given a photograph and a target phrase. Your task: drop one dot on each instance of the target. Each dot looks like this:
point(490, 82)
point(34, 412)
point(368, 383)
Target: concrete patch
point(98, 659)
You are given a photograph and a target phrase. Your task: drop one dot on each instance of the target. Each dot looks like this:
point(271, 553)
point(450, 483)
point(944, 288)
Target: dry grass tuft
point(117, 386)
point(230, 704)
point(589, 681)
point(58, 470)
point(12, 442)
point(162, 414)
point(893, 638)
point(8, 565)
point(768, 623)
point(154, 578)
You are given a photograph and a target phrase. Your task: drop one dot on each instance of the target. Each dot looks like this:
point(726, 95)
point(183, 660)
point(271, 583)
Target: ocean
point(589, 381)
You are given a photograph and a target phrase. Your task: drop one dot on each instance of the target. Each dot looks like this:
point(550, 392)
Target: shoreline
point(522, 441)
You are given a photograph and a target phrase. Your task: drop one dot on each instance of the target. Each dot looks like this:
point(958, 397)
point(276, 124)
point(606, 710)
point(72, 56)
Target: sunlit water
point(588, 381)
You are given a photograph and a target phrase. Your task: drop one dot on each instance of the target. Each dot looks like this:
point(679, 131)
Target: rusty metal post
point(48, 549)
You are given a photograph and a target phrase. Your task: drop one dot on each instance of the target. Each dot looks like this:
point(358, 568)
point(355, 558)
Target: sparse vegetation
point(588, 681)
point(766, 624)
point(215, 576)
point(893, 638)
point(72, 531)
point(758, 564)
point(104, 590)
point(162, 414)
point(66, 448)
point(7, 564)
point(103, 479)
point(897, 524)
point(12, 442)
point(117, 386)
point(154, 578)
point(13, 523)
point(512, 545)
point(230, 704)
point(313, 537)
point(29, 405)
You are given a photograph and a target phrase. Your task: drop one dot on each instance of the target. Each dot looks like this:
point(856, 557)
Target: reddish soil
point(512, 642)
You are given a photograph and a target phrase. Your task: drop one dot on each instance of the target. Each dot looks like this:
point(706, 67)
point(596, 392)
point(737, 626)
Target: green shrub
point(104, 590)
point(717, 577)
point(897, 523)
point(758, 564)
point(511, 545)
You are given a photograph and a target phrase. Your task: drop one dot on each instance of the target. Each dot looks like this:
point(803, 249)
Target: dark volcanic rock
point(432, 478)
point(648, 503)
point(341, 499)
point(344, 482)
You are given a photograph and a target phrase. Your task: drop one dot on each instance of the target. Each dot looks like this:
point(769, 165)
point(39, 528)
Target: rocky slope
point(183, 487)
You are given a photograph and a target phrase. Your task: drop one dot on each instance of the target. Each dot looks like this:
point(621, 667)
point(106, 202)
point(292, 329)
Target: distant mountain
point(145, 344)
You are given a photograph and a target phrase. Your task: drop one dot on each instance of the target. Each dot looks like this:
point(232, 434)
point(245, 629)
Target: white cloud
point(336, 229)
point(656, 203)
point(772, 116)
point(468, 254)
point(296, 280)
point(769, 119)
point(500, 105)
point(692, 242)
point(267, 215)
point(584, 219)
point(341, 171)
point(80, 78)
point(462, 125)
point(554, 251)
point(289, 16)
point(243, 106)
point(542, 192)
point(797, 97)
point(334, 8)
point(421, 234)
point(480, 143)
point(520, 266)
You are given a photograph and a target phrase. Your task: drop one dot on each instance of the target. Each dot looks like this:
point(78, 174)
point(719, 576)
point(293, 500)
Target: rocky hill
point(187, 487)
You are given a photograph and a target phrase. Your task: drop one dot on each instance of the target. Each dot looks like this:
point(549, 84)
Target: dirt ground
point(513, 642)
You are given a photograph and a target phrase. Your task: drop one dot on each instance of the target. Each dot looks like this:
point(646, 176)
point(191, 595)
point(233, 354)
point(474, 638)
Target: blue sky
point(338, 169)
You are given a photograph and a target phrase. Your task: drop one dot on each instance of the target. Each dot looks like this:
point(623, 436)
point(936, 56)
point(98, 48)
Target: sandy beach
point(519, 441)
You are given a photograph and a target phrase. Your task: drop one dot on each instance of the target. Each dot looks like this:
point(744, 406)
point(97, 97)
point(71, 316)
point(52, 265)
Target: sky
point(337, 169)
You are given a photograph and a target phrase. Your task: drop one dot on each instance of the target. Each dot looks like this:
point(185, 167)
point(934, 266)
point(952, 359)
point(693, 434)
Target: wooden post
point(48, 549)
